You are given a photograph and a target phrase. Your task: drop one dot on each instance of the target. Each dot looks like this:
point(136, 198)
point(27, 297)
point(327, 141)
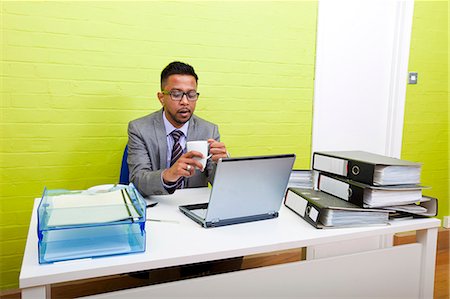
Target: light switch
point(412, 77)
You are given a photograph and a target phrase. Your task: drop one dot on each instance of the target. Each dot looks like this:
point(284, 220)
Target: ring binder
point(322, 210)
point(368, 168)
point(365, 195)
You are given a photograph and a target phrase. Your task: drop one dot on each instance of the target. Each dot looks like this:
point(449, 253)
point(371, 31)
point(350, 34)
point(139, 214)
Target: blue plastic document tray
point(90, 223)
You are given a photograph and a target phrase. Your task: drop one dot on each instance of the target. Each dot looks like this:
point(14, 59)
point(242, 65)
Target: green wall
point(426, 125)
point(74, 73)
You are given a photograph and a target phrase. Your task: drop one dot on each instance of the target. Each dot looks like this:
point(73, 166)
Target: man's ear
point(160, 96)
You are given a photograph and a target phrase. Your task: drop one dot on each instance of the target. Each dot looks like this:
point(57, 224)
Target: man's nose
point(184, 99)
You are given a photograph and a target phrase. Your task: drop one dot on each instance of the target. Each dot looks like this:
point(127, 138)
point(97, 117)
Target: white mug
point(199, 146)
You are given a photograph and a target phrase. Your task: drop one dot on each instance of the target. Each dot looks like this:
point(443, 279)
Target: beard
point(181, 116)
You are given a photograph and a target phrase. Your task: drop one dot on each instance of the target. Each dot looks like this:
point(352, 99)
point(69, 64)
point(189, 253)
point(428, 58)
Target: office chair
point(124, 178)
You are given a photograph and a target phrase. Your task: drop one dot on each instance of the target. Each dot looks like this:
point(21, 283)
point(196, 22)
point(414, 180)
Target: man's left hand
point(217, 150)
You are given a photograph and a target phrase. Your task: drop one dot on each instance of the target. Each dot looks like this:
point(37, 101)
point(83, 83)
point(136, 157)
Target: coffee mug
point(201, 146)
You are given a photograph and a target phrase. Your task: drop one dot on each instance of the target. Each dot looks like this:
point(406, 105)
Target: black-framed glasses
point(177, 95)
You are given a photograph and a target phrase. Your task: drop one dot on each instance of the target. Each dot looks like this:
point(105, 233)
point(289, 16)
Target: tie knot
point(176, 134)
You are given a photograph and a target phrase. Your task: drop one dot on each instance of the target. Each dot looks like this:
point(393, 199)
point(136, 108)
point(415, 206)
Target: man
point(152, 149)
point(156, 141)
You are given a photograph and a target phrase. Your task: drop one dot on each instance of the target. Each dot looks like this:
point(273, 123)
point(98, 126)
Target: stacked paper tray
point(90, 223)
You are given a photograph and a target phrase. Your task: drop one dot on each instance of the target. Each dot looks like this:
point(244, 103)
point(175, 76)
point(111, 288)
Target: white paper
point(73, 209)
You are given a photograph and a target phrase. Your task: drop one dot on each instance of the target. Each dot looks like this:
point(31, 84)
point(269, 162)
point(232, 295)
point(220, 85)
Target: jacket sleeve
point(143, 173)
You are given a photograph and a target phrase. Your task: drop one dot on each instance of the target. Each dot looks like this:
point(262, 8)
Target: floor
point(111, 283)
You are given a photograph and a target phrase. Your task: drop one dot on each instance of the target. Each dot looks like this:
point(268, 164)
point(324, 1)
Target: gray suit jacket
point(147, 152)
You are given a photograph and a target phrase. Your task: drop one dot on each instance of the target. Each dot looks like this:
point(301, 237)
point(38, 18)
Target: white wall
point(361, 70)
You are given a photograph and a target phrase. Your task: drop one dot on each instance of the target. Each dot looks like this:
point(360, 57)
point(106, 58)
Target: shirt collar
point(169, 127)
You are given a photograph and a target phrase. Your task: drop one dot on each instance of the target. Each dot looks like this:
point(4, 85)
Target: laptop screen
point(249, 186)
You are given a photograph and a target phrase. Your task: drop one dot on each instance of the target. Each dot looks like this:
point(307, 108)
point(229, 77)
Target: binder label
point(335, 187)
point(296, 202)
point(331, 164)
point(313, 213)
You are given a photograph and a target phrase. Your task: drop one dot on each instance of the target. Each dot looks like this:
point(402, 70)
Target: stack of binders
point(370, 183)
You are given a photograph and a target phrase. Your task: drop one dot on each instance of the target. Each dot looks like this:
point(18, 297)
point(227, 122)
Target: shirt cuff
point(171, 186)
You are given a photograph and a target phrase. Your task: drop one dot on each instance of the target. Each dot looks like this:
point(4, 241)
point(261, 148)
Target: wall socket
point(412, 77)
point(446, 223)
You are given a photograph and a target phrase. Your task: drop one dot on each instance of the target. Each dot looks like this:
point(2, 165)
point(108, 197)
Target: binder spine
point(330, 164)
point(342, 189)
point(302, 207)
point(361, 172)
point(312, 214)
point(356, 195)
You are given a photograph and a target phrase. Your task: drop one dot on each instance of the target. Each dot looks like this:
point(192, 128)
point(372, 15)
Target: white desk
point(355, 262)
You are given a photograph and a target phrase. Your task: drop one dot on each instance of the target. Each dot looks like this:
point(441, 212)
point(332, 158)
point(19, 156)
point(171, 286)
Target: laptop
point(245, 189)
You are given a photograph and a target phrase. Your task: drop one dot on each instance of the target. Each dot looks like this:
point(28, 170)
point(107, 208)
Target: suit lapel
point(192, 129)
point(192, 136)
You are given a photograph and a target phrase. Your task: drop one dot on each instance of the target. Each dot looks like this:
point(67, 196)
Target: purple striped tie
point(177, 151)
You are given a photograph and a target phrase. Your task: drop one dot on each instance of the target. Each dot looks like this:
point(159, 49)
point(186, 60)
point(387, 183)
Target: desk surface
point(184, 241)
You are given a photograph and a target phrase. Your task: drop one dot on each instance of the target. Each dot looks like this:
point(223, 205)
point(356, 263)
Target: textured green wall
point(74, 73)
point(426, 126)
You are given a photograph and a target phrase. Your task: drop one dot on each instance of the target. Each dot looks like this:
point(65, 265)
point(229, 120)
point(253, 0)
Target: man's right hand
point(183, 167)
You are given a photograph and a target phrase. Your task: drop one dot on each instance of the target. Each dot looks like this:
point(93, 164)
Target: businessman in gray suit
point(151, 145)
point(151, 141)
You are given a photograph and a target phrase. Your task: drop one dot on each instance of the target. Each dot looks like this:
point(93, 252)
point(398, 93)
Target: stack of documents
point(87, 224)
point(395, 175)
point(301, 179)
point(391, 197)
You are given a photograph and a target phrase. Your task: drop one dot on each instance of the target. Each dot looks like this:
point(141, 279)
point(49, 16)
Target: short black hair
point(177, 68)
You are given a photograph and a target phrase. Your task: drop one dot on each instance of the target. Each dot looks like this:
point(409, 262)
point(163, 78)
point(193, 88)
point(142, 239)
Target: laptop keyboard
point(200, 212)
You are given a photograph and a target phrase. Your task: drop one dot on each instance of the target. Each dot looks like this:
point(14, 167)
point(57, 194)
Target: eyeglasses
point(177, 95)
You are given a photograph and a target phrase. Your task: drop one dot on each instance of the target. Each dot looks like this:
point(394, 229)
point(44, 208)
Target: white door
point(361, 74)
